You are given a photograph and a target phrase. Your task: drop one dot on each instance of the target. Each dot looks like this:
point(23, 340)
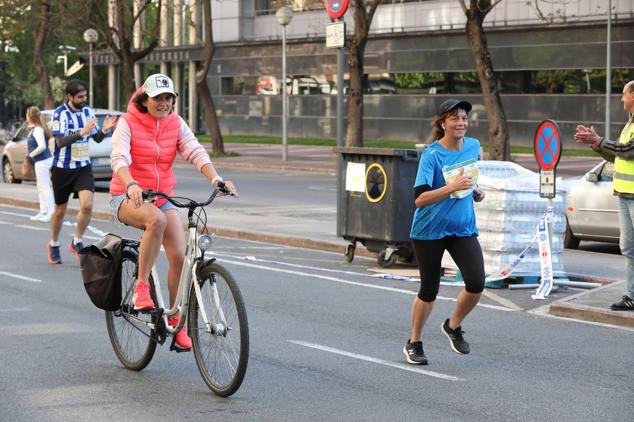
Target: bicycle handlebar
point(150, 195)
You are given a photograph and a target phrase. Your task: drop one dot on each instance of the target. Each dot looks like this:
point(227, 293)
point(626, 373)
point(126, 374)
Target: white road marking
point(14, 213)
point(7, 310)
point(20, 277)
point(499, 299)
point(26, 226)
point(404, 367)
point(352, 283)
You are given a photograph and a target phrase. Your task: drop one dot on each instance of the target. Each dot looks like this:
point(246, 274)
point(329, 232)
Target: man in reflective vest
point(622, 153)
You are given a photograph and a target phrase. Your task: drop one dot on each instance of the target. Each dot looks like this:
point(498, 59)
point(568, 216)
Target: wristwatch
point(218, 179)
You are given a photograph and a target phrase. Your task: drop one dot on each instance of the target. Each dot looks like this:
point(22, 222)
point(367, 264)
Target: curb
point(564, 308)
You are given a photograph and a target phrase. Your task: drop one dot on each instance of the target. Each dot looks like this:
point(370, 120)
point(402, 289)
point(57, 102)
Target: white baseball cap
point(158, 84)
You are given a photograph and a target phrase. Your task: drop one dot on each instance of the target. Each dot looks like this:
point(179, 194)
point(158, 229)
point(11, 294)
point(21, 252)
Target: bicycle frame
point(193, 256)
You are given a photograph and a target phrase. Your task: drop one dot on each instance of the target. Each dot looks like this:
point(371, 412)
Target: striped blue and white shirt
point(67, 122)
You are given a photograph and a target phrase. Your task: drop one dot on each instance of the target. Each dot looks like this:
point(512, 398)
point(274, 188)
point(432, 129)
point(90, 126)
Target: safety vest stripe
point(624, 176)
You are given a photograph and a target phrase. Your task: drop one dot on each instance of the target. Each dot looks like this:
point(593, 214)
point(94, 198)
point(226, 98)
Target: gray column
point(113, 81)
point(194, 34)
point(137, 39)
point(166, 25)
point(113, 87)
point(177, 68)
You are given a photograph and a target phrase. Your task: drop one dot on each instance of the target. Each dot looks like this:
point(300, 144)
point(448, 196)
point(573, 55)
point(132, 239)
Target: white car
point(15, 151)
point(593, 210)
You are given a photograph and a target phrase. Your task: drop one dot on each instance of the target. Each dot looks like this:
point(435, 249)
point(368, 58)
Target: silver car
point(593, 210)
point(15, 151)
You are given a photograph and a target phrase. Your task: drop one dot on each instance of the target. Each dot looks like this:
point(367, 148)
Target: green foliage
point(18, 22)
point(417, 80)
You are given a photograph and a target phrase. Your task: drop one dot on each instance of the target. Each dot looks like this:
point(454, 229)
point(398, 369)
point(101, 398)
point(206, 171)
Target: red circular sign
point(336, 8)
point(547, 145)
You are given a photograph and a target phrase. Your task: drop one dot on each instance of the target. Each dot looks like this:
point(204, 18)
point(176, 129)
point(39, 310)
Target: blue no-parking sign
point(547, 146)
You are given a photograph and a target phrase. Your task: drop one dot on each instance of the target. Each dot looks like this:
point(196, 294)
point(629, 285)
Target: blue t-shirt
point(447, 217)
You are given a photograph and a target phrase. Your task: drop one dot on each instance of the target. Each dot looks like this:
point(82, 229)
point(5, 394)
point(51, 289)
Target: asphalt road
point(326, 341)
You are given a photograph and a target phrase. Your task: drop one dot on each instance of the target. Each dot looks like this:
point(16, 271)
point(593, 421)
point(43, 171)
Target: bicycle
point(216, 314)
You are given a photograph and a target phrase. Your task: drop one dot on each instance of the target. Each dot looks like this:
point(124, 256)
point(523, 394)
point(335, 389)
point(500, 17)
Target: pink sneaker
point(141, 297)
point(182, 340)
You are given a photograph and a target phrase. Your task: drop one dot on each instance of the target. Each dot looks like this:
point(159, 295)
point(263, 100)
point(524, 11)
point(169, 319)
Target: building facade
point(550, 57)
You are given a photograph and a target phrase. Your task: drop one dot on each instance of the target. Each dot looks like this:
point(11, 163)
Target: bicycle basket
point(100, 266)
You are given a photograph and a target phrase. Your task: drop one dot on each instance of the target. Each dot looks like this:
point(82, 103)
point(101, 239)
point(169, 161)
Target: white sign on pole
point(547, 183)
point(74, 68)
point(335, 35)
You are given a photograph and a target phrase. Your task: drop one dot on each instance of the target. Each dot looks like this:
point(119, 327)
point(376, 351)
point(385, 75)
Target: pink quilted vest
point(153, 147)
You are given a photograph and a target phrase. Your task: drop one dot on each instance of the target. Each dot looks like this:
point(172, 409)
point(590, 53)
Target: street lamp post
point(284, 16)
point(90, 36)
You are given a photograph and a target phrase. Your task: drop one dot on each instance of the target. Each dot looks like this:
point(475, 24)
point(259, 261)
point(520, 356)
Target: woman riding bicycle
point(144, 146)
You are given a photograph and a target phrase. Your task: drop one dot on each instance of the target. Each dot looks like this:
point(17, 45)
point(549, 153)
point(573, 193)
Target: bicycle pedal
point(177, 349)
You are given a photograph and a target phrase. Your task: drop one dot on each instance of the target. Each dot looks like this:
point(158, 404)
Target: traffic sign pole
point(547, 147)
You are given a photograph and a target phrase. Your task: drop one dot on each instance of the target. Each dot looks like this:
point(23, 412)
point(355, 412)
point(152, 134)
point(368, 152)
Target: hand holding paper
point(462, 178)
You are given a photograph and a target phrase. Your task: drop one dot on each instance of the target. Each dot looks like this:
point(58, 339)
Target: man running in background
point(74, 123)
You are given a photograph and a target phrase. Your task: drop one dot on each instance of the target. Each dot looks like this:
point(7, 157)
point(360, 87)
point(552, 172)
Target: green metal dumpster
point(375, 202)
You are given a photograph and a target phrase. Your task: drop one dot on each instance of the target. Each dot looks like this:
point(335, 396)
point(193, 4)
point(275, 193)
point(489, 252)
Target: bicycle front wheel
point(221, 347)
point(129, 335)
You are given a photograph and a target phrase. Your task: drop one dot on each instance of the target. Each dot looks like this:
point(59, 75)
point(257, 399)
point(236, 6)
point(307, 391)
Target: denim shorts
point(116, 200)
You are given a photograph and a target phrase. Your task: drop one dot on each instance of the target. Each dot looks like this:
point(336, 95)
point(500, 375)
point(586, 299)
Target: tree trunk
point(499, 148)
point(40, 66)
point(204, 94)
point(354, 132)
point(355, 59)
point(127, 73)
point(202, 90)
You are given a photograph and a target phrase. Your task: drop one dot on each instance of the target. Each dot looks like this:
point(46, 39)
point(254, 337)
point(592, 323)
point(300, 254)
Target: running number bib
point(79, 151)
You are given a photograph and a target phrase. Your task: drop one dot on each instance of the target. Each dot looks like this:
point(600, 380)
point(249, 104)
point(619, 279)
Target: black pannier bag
point(100, 265)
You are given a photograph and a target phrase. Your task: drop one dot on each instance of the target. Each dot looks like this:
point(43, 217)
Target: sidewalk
point(319, 231)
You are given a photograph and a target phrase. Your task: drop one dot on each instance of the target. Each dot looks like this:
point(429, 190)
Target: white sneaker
point(46, 218)
point(37, 217)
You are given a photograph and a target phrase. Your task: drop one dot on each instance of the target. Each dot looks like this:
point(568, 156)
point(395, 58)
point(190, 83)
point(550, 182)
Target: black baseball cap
point(450, 104)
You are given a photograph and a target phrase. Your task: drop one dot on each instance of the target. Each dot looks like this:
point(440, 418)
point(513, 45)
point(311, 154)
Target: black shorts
point(68, 181)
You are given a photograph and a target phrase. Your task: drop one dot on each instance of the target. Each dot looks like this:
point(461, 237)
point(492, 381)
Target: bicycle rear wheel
point(222, 348)
point(130, 338)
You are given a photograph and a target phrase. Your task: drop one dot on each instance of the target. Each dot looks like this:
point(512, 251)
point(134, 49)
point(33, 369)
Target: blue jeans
point(626, 223)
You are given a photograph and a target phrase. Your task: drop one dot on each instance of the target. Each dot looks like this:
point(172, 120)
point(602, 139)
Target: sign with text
point(336, 8)
point(547, 183)
point(335, 35)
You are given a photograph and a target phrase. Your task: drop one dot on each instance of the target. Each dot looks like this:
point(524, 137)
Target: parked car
point(15, 151)
point(593, 210)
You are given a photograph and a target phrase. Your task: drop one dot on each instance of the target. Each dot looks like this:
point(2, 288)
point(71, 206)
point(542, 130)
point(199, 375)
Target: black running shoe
point(75, 247)
point(54, 257)
point(414, 353)
point(456, 341)
point(626, 304)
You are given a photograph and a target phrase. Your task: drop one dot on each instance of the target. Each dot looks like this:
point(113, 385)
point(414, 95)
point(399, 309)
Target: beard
point(79, 104)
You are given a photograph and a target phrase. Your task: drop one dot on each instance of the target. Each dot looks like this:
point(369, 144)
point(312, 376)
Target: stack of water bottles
point(508, 217)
